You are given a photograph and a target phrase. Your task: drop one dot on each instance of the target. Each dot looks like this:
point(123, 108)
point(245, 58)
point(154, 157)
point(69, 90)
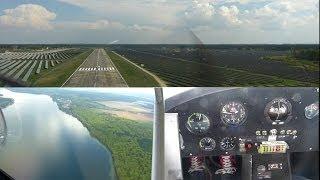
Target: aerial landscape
point(161, 65)
point(196, 43)
point(92, 133)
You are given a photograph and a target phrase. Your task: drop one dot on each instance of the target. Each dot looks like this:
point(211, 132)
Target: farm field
point(25, 68)
point(166, 65)
point(222, 66)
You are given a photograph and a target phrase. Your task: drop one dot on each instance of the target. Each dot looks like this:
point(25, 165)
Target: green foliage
point(129, 141)
point(134, 76)
point(187, 73)
point(306, 65)
point(306, 54)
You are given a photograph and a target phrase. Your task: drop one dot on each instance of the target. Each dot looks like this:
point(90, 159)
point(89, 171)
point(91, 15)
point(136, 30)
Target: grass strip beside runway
point(57, 75)
point(134, 76)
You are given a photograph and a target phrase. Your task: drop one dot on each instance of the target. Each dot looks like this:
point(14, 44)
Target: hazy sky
point(159, 21)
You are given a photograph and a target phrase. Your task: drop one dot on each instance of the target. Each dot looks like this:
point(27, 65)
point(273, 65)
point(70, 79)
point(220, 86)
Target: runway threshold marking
point(88, 69)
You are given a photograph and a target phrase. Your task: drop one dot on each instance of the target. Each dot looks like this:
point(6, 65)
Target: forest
point(306, 54)
point(130, 142)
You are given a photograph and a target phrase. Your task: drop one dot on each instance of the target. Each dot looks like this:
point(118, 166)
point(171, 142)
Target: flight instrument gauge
point(233, 113)
point(278, 111)
point(227, 143)
point(207, 144)
point(198, 123)
point(312, 110)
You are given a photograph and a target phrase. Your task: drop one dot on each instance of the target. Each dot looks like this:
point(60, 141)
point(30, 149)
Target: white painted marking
point(88, 69)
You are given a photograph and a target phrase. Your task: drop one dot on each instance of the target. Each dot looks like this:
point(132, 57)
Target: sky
point(159, 21)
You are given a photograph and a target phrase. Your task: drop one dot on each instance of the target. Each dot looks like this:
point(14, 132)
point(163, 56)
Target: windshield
point(77, 133)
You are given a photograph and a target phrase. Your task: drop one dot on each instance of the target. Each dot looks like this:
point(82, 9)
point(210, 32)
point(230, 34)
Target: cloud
point(156, 21)
point(28, 16)
point(267, 15)
point(230, 14)
point(138, 28)
point(239, 1)
point(101, 24)
point(284, 14)
point(200, 10)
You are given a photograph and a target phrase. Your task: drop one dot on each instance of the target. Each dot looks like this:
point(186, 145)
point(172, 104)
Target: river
point(46, 143)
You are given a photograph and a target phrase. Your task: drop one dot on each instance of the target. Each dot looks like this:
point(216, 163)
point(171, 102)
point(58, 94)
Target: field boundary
point(220, 67)
point(56, 75)
point(160, 81)
point(115, 66)
point(76, 70)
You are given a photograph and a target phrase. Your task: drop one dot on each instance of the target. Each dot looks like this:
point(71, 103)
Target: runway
point(96, 71)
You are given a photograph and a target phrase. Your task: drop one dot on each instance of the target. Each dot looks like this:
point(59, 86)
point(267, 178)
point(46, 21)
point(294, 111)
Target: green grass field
point(296, 63)
point(134, 76)
point(56, 76)
point(185, 73)
point(129, 141)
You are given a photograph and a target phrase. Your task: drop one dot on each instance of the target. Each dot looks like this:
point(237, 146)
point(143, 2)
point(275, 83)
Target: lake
point(46, 143)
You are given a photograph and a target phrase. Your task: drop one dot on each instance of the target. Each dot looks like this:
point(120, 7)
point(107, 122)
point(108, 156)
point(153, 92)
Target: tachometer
point(233, 113)
point(198, 123)
point(227, 143)
point(278, 111)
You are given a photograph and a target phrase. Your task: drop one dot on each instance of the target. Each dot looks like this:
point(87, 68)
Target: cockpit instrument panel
point(247, 120)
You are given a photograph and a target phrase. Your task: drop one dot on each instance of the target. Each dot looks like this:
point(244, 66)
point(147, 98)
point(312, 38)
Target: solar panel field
point(217, 67)
point(26, 67)
point(172, 65)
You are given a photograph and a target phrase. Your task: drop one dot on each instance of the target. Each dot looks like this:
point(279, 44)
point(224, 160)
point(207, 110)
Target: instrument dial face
point(227, 143)
point(312, 110)
point(233, 113)
point(198, 123)
point(207, 144)
point(278, 111)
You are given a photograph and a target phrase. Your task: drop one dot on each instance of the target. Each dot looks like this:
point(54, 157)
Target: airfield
point(96, 71)
point(159, 65)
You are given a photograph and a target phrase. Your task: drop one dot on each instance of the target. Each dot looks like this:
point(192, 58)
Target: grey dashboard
point(215, 121)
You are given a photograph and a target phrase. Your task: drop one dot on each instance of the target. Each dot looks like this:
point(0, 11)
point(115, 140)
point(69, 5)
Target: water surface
point(46, 143)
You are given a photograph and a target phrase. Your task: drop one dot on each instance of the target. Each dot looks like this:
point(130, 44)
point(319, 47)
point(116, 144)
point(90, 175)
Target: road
point(96, 71)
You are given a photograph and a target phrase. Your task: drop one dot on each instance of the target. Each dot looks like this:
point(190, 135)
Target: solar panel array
point(21, 65)
point(37, 55)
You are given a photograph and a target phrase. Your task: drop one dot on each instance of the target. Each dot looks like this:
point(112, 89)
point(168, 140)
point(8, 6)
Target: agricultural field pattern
point(220, 66)
point(162, 65)
point(19, 66)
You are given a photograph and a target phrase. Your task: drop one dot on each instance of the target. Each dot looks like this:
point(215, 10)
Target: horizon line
point(107, 44)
